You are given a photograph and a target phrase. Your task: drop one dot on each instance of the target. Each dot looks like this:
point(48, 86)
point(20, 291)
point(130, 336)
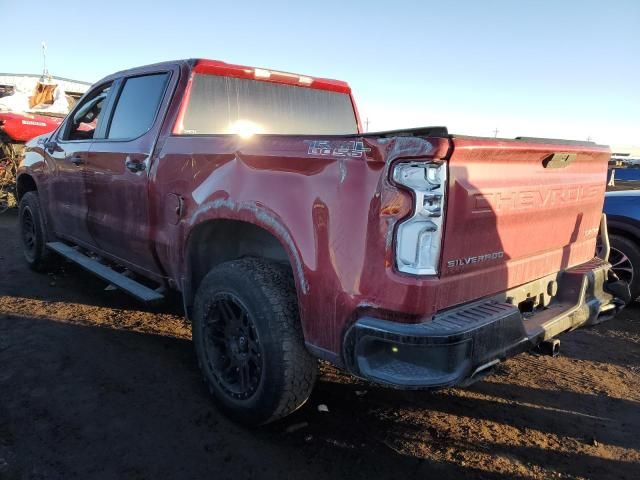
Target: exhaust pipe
point(550, 347)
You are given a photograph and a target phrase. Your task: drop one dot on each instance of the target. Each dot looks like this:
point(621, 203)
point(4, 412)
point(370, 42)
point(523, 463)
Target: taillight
point(418, 237)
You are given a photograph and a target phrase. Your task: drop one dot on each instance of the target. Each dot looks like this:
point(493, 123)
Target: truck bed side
point(333, 209)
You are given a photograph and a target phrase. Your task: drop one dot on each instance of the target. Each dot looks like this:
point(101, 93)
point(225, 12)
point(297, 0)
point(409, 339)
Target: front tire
point(249, 341)
point(33, 232)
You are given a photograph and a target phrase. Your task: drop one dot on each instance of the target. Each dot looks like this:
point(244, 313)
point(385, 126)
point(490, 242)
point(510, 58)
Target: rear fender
point(251, 213)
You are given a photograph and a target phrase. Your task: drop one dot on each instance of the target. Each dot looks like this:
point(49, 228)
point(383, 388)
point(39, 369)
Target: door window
point(85, 119)
point(137, 106)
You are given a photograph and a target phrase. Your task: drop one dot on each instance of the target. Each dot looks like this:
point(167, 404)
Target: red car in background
point(30, 105)
point(18, 128)
point(15, 130)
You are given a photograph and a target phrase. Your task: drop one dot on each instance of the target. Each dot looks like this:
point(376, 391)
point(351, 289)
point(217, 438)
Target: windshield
point(227, 105)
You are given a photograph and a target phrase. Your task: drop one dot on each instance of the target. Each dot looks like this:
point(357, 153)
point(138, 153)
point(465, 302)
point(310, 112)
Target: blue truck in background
point(622, 206)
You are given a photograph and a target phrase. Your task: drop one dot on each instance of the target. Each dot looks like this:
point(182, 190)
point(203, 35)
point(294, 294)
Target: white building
point(629, 154)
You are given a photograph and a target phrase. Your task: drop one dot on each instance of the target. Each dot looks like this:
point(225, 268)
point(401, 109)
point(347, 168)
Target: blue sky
point(537, 68)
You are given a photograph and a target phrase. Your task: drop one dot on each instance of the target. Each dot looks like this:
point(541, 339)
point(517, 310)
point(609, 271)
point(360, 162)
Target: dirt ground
point(94, 385)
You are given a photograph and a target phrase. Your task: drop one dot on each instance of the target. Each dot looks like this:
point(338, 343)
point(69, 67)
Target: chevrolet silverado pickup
point(412, 258)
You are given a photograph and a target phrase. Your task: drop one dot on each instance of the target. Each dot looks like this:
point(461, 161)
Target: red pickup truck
point(413, 258)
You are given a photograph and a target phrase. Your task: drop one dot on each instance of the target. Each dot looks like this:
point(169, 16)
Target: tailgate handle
point(558, 160)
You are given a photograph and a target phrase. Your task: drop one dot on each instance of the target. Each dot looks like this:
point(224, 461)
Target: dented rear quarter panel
point(333, 214)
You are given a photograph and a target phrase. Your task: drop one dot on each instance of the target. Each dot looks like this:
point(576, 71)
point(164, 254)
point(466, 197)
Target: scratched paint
point(343, 171)
point(407, 147)
point(340, 240)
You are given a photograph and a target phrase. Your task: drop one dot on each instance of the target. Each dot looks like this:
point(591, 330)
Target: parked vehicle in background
point(623, 178)
point(622, 206)
point(401, 257)
point(30, 105)
point(628, 158)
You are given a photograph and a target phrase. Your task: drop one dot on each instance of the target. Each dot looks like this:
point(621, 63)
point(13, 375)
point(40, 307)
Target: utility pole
point(366, 124)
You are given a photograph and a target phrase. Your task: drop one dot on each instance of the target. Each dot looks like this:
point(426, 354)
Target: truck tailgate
point(519, 210)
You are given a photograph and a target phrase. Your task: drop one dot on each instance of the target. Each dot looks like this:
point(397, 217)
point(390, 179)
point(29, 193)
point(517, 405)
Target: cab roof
point(217, 67)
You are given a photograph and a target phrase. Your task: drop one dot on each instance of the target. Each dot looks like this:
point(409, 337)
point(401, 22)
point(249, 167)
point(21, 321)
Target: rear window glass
point(227, 105)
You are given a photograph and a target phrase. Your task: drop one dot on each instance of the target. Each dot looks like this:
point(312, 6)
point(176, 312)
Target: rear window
point(227, 105)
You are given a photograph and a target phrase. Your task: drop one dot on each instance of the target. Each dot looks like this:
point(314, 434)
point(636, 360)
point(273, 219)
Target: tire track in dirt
point(94, 385)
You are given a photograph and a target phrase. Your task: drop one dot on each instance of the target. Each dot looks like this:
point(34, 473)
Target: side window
point(137, 106)
point(84, 120)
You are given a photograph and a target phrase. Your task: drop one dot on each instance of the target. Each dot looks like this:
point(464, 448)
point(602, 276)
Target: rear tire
point(249, 341)
point(625, 261)
point(33, 233)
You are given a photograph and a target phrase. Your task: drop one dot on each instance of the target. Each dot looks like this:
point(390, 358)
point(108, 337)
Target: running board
point(124, 283)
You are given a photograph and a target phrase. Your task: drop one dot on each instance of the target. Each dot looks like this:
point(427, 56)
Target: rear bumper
point(458, 345)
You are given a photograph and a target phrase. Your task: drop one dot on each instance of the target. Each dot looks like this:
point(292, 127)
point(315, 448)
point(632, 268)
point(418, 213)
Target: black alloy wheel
point(33, 233)
point(624, 257)
point(621, 265)
point(249, 343)
point(233, 351)
point(28, 231)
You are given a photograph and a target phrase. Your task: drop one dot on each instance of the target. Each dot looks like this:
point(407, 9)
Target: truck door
point(67, 153)
point(117, 171)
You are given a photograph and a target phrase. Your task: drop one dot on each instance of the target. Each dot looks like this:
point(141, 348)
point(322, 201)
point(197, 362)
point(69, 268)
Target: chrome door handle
point(77, 160)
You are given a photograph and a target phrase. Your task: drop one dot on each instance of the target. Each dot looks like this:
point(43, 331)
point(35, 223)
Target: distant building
point(10, 82)
point(625, 154)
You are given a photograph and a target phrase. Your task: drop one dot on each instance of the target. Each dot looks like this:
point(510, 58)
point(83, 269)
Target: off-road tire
point(267, 291)
point(631, 250)
point(34, 248)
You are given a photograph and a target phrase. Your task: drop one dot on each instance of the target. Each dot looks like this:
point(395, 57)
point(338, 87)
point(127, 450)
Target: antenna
point(495, 133)
point(45, 71)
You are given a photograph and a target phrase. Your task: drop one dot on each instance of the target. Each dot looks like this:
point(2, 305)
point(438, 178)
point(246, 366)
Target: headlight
point(419, 236)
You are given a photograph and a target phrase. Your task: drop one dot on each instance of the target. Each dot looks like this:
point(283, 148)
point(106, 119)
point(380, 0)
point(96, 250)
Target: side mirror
point(86, 108)
point(51, 146)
